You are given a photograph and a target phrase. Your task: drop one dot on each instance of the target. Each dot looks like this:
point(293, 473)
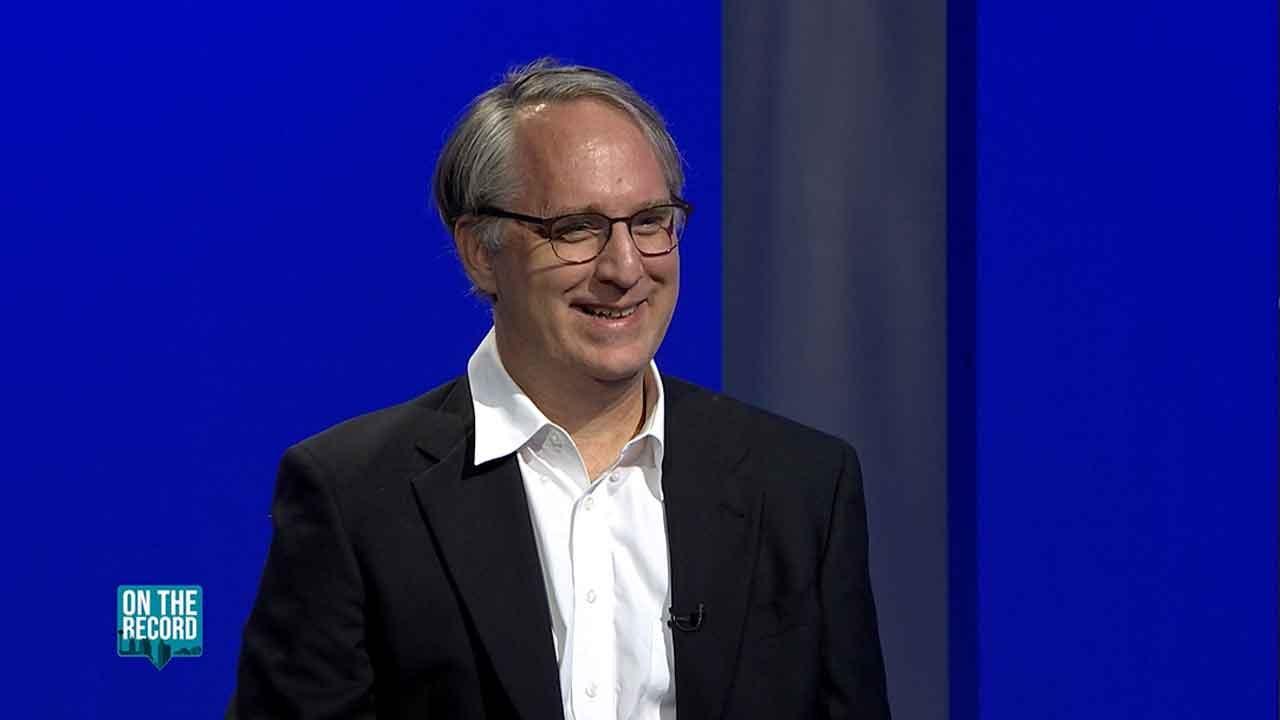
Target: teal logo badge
point(159, 622)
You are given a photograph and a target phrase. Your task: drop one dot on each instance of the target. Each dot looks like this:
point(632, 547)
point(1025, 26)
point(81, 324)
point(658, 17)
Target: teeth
point(611, 314)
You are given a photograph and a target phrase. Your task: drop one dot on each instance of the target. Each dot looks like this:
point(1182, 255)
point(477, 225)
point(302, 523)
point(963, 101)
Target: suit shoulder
point(799, 467)
point(390, 431)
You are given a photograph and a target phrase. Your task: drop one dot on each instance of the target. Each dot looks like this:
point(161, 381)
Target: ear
point(477, 258)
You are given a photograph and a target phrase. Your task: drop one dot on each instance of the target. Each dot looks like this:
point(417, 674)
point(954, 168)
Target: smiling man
point(564, 532)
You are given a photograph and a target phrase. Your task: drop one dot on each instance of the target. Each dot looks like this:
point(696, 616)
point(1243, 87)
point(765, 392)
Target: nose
point(620, 263)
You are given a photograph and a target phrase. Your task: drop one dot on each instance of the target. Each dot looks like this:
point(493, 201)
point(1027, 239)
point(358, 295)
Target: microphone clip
point(686, 623)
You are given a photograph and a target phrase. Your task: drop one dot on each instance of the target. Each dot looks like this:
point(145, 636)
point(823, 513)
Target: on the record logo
point(159, 622)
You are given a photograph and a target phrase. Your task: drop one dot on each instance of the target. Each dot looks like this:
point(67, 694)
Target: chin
point(613, 370)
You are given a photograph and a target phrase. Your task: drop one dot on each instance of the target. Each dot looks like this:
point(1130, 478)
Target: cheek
point(521, 277)
point(666, 272)
point(545, 297)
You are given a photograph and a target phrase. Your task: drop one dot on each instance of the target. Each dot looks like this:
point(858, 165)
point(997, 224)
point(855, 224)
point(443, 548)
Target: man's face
point(579, 156)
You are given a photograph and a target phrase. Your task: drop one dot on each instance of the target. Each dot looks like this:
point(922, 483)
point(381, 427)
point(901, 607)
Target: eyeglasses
point(581, 237)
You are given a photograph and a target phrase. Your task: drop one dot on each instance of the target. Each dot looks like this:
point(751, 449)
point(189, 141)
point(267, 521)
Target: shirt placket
point(594, 652)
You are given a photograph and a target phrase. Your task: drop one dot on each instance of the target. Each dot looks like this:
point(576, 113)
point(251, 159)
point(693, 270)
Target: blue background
point(1123, 326)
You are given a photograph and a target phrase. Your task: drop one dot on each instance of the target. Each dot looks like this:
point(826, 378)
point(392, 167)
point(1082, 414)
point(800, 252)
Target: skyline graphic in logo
point(159, 622)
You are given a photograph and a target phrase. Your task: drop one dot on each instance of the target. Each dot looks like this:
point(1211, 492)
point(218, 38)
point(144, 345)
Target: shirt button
point(591, 690)
point(589, 503)
point(555, 440)
point(591, 596)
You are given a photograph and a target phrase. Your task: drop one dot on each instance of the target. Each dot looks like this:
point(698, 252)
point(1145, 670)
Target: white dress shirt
point(603, 546)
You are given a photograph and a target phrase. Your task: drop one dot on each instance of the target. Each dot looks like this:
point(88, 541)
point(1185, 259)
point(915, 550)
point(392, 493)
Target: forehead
point(584, 153)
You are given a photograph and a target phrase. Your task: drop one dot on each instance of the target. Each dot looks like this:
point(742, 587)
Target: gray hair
point(475, 165)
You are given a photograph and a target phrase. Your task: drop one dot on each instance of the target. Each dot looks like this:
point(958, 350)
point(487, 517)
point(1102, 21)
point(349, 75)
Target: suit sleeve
point(304, 654)
point(853, 681)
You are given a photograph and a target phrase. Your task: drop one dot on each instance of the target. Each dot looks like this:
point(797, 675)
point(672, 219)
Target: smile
point(608, 313)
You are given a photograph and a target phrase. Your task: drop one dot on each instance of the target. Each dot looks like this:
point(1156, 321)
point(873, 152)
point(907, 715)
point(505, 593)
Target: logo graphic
point(159, 622)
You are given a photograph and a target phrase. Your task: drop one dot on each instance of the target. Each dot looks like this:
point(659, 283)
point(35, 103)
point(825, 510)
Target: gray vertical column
point(835, 275)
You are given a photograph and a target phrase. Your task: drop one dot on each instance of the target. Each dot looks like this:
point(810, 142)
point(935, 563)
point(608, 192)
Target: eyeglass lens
point(578, 238)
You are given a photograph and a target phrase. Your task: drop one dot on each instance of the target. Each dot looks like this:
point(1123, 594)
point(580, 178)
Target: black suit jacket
point(404, 581)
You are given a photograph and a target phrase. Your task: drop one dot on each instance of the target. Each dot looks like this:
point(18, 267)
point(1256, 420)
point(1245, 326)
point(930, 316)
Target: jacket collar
point(479, 519)
point(713, 525)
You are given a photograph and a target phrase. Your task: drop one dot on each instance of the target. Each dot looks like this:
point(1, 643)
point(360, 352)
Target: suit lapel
point(712, 534)
point(479, 517)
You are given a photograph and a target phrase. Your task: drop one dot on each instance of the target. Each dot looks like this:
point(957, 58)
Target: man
point(563, 531)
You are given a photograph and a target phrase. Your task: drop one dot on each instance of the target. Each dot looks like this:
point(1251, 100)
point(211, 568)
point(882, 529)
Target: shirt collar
point(506, 419)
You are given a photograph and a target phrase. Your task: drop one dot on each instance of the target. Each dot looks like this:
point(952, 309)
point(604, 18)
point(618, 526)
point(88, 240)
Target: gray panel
point(835, 275)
